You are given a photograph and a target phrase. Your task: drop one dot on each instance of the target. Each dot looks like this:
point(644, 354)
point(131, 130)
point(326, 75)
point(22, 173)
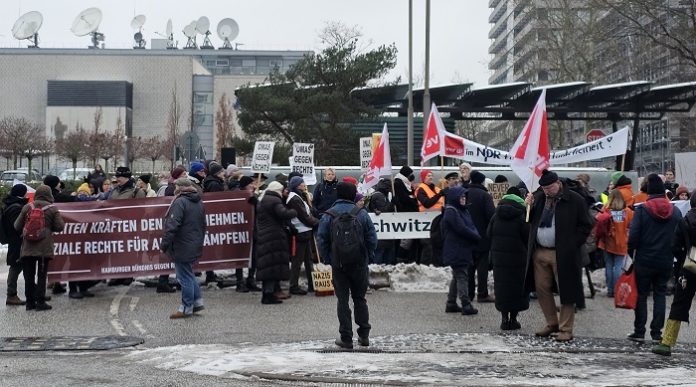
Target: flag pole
point(623, 162)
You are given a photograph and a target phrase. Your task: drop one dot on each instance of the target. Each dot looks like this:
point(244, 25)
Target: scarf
point(549, 210)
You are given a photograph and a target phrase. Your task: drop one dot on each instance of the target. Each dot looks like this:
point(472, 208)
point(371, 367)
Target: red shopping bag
point(626, 291)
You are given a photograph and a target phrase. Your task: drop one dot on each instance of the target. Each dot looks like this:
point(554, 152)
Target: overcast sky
point(459, 28)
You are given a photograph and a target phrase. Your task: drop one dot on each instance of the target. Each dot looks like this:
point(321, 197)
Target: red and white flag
point(381, 162)
point(433, 136)
point(530, 154)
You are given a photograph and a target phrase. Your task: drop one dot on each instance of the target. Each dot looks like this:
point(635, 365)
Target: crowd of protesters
point(517, 240)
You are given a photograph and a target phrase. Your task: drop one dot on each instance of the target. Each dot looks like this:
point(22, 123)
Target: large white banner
point(612, 145)
point(403, 225)
point(365, 153)
point(302, 161)
point(263, 156)
point(684, 171)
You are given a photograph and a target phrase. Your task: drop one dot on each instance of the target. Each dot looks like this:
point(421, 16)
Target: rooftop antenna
point(227, 30)
point(27, 27)
point(137, 24)
point(203, 28)
point(170, 36)
point(87, 23)
point(190, 32)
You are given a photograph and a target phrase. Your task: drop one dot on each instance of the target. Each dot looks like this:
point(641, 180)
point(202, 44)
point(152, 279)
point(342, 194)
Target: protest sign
point(302, 161)
point(365, 153)
point(497, 191)
point(262, 157)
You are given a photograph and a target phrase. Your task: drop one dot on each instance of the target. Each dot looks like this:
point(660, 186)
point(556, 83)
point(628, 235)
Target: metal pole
point(409, 127)
point(426, 91)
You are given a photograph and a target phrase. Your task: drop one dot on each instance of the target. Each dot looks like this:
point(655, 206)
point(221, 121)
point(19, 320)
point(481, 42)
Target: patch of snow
point(411, 277)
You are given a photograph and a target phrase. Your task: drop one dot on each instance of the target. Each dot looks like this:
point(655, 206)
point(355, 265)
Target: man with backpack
point(13, 238)
point(347, 240)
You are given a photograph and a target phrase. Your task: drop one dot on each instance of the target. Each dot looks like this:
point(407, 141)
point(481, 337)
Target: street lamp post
point(409, 127)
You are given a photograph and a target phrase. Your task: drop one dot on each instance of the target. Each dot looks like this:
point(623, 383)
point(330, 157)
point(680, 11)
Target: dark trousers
point(384, 254)
point(270, 287)
point(303, 254)
point(683, 297)
point(478, 271)
point(458, 286)
point(12, 277)
point(35, 273)
point(351, 281)
point(163, 280)
point(647, 278)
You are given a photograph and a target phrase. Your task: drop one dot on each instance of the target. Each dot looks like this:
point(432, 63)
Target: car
point(24, 176)
point(74, 174)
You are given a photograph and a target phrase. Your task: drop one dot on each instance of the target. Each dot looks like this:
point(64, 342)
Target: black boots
point(510, 322)
point(270, 299)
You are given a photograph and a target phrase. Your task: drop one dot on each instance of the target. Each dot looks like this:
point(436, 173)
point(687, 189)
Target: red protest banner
point(120, 238)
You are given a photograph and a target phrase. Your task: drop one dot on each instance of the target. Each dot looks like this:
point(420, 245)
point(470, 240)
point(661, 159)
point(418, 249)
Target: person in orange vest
point(430, 198)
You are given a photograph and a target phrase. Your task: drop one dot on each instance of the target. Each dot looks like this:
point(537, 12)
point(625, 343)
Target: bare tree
point(152, 149)
point(36, 144)
point(16, 133)
point(225, 128)
point(97, 140)
point(136, 148)
point(117, 142)
point(72, 146)
point(173, 123)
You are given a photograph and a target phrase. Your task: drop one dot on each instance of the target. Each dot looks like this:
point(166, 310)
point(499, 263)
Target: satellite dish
point(190, 32)
point(87, 22)
point(227, 30)
point(27, 27)
point(202, 25)
point(138, 22)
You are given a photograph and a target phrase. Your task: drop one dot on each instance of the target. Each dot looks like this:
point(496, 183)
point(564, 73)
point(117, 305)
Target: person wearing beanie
point(245, 182)
point(670, 184)
point(611, 233)
point(360, 200)
point(508, 232)
point(13, 204)
point(293, 174)
point(682, 193)
point(464, 172)
point(96, 178)
point(623, 184)
point(349, 280)
point(182, 242)
point(304, 222)
point(559, 225)
point(272, 243)
point(36, 254)
point(500, 179)
point(84, 193)
point(53, 182)
point(176, 173)
point(481, 210)
point(233, 174)
point(144, 184)
point(650, 244)
point(167, 187)
point(325, 192)
point(197, 173)
point(684, 240)
point(125, 188)
point(215, 181)
point(405, 201)
point(430, 198)
point(350, 179)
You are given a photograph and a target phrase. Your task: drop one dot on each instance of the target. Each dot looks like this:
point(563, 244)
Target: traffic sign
point(595, 134)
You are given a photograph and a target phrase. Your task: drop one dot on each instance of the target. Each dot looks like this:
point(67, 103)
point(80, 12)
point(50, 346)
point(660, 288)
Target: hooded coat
point(508, 232)
point(13, 207)
point(212, 183)
point(573, 225)
point(459, 232)
point(184, 228)
point(379, 201)
point(481, 208)
point(53, 221)
point(651, 233)
point(272, 239)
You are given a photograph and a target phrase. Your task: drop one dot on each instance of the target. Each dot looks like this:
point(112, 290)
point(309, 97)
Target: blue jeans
point(190, 291)
point(647, 278)
point(612, 270)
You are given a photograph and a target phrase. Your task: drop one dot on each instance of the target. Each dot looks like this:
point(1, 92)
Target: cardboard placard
point(365, 153)
point(323, 283)
point(263, 157)
point(497, 191)
point(302, 161)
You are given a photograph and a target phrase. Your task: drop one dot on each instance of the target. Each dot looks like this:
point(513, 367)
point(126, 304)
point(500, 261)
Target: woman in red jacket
point(611, 231)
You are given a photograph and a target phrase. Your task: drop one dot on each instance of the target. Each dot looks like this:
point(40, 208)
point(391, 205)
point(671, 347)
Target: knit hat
point(84, 188)
point(406, 171)
point(423, 174)
point(623, 180)
point(18, 190)
point(51, 181)
point(183, 182)
point(196, 167)
point(682, 190)
point(293, 174)
point(501, 179)
point(346, 191)
point(145, 178)
point(547, 177)
point(452, 175)
point(359, 197)
point(655, 185)
point(295, 182)
point(477, 177)
point(276, 187)
point(123, 172)
point(350, 179)
point(214, 168)
point(615, 177)
point(231, 169)
point(177, 172)
point(244, 181)
point(514, 191)
point(282, 178)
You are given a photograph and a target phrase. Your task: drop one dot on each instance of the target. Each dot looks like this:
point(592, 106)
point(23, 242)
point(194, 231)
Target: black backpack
point(347, 244)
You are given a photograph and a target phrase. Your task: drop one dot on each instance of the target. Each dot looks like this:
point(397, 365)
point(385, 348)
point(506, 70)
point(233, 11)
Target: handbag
point(626, 291)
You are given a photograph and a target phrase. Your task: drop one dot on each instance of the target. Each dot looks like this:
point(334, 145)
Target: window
point(222, 63)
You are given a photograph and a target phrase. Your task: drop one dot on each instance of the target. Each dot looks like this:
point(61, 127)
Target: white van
point(74, 174)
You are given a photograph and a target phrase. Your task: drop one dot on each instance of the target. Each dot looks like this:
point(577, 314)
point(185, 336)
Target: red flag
point(530, 153)
point(454, 146)
point(381, 162)
point(433, 136)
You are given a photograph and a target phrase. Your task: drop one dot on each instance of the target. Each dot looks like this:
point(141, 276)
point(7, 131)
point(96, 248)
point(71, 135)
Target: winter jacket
point(481, 208)
point(572, 226)
point(61, 197)
point(404, 199)
point(430, 197)
point(53, 221)
point(184, 228)
point(611, 230)
point(232, 185)
point(325, 195)
point(460, 235)
point(304, 221)
point(13, 207)
point(651, 233)
point(96, 179)
point(379, 201)
point(149, 192)
point(127, 191)
point(640, 197)
point(169, 191)
point(684, 238)
point(324, 233)
point(508, 232)
point(213, 183)
point(272, 239)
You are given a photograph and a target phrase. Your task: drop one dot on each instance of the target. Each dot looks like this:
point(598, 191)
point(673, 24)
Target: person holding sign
point(184, 232)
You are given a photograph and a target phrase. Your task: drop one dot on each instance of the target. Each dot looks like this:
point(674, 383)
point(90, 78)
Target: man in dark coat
point(215, 181)
point(13, 206)
point(272, 241)
point(560, 224)
point(405, 201)
point(184, 233)
point(481, 209)
point(349, 279)
point(379, 203)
